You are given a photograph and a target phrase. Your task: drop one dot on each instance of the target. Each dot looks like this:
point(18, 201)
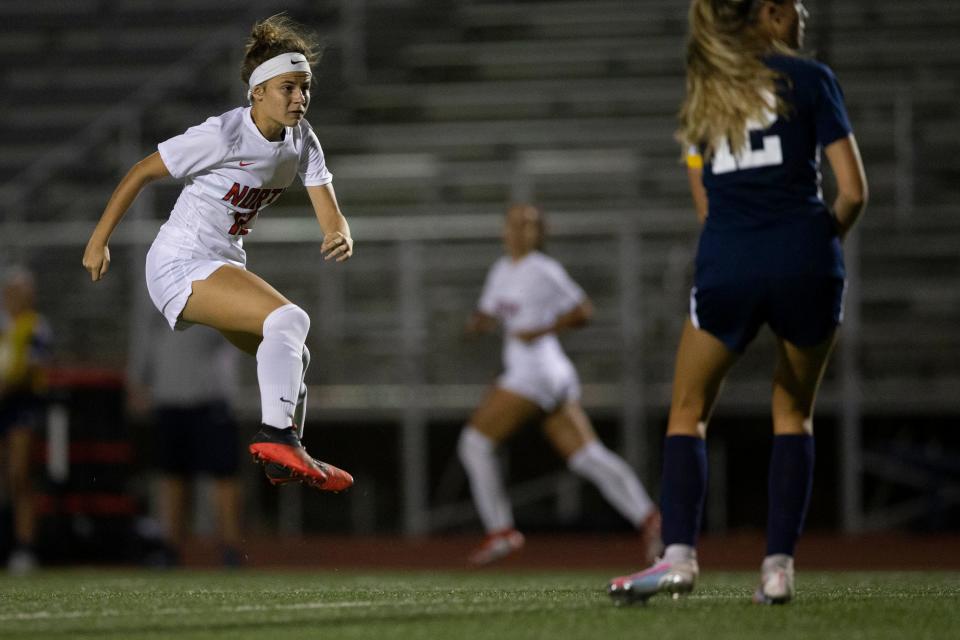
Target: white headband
point(283, 63)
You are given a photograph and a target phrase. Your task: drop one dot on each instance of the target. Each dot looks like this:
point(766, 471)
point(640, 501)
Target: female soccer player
point(534, 298)
point(233, 166)
point(757, 115)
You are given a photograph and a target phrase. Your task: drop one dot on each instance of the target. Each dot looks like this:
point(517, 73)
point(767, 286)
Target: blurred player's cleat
point(231, 557)
point(22, 561)
point(650, 540)
point(663, 577)
point(285, 460)
point(164, 556)
point(776, 580)
point(496, 546)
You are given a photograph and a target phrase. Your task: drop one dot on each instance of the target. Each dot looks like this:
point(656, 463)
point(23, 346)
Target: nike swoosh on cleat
point(245, 164)
point(282, 399)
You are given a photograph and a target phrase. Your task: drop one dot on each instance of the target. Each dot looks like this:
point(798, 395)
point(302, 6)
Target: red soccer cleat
point(285, 460)
point(497, 546)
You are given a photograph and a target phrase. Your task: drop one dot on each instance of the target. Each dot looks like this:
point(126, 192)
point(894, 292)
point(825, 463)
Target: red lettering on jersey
point(506, 308)
point(235, 195)
point(240, 221)
point(274, 194)
point(247, 203)
point(263, 196)
point(247, 198)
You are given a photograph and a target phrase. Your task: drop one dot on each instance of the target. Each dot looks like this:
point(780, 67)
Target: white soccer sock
point(300, 411)
point(615, 480)
point(477, 452)
point(676, 553)
point(280, 364)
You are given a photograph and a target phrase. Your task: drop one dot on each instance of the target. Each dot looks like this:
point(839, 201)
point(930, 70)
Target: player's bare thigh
point(246, 342)
point(502, 412)
point(233, 301)
point(796, 380)
point(701, 364)
point(568, 429)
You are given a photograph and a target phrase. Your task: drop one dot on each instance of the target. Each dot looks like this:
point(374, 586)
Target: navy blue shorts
point(803, 310)
point(21, 411)
point(202, 439)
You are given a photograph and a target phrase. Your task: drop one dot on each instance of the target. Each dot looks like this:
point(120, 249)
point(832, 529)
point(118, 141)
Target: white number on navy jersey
point(770, 155)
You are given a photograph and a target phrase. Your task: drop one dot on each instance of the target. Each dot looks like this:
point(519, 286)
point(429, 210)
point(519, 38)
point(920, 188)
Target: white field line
point(470, 606)
point(62, 615)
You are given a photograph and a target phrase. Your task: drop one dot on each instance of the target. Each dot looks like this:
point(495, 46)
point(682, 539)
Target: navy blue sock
point(683, 489)
point(791, 481)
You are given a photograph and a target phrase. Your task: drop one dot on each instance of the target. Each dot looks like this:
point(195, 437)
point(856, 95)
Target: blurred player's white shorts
point(548, 384)
point(171, 272)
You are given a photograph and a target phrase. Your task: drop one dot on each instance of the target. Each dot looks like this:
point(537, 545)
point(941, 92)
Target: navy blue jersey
point(766, 213)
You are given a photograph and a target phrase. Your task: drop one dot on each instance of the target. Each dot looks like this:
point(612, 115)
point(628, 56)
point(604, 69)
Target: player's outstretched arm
point(579, 316)
point(844, 158)
point(337, 243)
point(96, 256)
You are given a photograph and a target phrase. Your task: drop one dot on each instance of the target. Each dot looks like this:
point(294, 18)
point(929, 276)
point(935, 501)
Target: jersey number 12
point(770, 155)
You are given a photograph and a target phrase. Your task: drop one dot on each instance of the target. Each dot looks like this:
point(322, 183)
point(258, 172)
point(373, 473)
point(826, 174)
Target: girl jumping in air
point(233, 166)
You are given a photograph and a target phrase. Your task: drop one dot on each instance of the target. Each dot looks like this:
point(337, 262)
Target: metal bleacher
point(433, 116)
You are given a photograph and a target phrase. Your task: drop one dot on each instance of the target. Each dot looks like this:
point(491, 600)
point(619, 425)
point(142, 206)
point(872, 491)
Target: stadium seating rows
point(569, 102)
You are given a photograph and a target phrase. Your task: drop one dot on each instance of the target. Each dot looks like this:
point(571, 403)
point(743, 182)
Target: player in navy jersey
point(233, 166)
point(756, 118)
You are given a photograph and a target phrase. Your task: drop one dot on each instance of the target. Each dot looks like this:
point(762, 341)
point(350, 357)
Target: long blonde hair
point(727, 82)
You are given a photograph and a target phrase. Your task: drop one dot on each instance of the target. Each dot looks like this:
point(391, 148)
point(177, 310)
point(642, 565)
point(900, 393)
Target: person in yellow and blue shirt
point(25, 341)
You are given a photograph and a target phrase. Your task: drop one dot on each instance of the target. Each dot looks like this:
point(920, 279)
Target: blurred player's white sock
point(280, 364)
point(477, 452)
point(615, 480)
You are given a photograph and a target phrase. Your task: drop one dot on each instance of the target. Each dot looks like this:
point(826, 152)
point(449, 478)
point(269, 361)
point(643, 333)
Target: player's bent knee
point(590, 455)
point(793, 425)
point(288, 323)
point(687, 413)
point(690, 425)
point(473, 443)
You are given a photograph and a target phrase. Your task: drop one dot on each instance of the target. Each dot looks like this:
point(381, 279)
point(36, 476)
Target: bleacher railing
point(412, 402)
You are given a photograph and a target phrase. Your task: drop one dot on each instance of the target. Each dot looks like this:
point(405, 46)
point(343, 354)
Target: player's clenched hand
point(96, 259)
point(336, 246)
point(479, 323)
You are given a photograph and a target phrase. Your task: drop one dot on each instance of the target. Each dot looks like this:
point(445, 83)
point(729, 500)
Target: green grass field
point(461, 606)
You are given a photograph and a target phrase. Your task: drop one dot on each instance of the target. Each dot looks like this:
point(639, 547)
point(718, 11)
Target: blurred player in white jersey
point(534, 298)
point(233, 166)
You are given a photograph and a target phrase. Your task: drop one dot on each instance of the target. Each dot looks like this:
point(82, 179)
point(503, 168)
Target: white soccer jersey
point(231, 173)
point(525, 295)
